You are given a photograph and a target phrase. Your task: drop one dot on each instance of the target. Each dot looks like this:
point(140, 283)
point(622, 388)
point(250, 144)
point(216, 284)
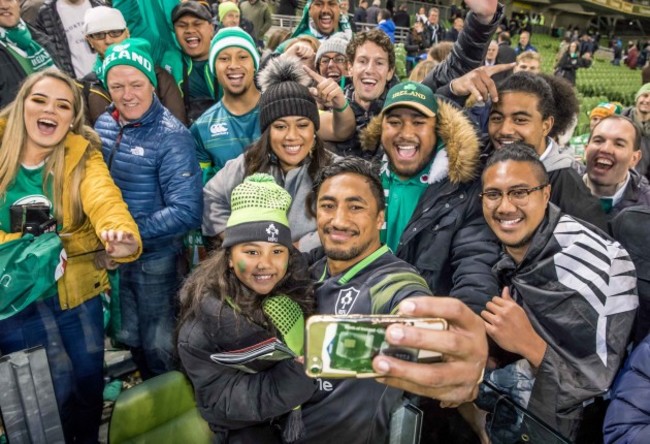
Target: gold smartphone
point(344, 346)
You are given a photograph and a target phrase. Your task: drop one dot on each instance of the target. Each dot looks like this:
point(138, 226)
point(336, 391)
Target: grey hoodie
point(216, 201)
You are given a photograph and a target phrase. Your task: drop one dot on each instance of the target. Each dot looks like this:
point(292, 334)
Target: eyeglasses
point(517, 197)
point(115, 33)
point(339, 60)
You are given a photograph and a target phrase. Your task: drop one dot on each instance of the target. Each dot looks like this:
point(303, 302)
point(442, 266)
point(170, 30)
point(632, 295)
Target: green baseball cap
point(412, 95)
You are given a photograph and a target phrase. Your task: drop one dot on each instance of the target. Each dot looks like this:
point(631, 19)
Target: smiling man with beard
point(321, 19)
point(433, 215)
point(359, 275)
point(567, 305)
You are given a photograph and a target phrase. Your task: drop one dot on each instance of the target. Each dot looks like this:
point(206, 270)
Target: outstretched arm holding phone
point(463, 346)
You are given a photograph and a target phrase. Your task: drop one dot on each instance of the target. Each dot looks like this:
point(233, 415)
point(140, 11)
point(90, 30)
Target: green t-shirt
point(402, 196)
point(27, 188)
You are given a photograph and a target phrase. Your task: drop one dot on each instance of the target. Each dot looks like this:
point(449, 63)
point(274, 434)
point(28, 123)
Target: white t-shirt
point(72, 17)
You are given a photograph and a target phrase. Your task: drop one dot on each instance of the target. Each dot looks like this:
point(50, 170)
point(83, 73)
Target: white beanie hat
point(102, 18)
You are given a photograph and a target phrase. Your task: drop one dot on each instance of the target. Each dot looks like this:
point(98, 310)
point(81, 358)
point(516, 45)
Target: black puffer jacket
point(12, 74)
point(240, 407)
point(447, 238)
point(637, 192)
point(49, 22)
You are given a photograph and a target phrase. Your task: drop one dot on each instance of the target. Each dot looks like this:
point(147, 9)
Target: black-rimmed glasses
point(115, 33)
point(516, 196)
point(339, 60)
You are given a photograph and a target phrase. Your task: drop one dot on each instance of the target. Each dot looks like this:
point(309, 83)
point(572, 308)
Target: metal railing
point(291, 21)
point(285, 21)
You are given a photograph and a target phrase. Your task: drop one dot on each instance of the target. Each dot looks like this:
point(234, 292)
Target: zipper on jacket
point(116, 146)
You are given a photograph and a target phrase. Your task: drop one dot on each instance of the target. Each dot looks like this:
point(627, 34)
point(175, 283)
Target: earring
point(71, 125)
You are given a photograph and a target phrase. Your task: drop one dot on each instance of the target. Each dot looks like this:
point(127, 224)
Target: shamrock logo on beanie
point(258, 212)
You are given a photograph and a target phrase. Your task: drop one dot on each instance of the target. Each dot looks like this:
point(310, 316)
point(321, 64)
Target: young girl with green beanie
point(225, 307)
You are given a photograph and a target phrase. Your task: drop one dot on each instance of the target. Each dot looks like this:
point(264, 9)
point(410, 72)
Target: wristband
point(340, 110)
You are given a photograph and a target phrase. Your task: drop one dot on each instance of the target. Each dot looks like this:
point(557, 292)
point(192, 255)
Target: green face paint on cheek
point(241, 266)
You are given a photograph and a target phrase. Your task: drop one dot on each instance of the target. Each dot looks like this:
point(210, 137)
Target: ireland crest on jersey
point(345, 300)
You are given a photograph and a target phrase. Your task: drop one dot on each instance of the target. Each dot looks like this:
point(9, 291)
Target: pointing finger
point(313, 74)
point(495, 69)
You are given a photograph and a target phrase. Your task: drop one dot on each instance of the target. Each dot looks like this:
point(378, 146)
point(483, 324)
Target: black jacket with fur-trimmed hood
point(447, 238)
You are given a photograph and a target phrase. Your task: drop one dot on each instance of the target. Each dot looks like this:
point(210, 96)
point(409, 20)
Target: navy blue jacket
point(153, 162)
point(628, 418)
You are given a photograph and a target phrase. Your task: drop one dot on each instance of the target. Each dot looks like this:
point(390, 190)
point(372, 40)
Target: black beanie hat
point(284, 92)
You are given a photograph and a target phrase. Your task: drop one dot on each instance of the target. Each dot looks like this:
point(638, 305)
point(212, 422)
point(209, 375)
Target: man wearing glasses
point(568, 299)
point(331, 61)
point(62, 21)
point(23, 50)
point(103, 27)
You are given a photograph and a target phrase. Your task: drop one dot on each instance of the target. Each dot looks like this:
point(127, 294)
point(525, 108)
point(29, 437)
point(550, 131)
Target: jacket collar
point(553, 159)
point(75, 147)
point(459, 160)
point(506, 268)
point(377, 104)
point(150, 116)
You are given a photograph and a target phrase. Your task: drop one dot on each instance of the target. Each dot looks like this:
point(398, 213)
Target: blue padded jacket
point(153, 161)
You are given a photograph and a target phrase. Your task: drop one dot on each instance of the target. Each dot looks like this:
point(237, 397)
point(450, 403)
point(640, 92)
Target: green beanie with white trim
point(229, 38)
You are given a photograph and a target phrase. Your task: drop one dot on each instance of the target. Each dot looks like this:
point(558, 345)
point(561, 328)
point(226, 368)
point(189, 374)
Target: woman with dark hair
point(289, 149)
point(225, 307)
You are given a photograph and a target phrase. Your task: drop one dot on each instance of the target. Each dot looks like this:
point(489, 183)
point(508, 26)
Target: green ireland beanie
point(232, 37)
point(258, 212)
point(135, 52)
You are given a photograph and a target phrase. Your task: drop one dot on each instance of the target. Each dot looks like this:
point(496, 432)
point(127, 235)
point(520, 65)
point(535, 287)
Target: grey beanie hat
point(337, 43)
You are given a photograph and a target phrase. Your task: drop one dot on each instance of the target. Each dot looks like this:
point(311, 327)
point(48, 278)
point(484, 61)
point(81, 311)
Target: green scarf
point(98, 67)
point(19, 40)
point(306, 27)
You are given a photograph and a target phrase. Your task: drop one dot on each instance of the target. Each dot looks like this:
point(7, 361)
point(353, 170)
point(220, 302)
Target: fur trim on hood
point(461, 144)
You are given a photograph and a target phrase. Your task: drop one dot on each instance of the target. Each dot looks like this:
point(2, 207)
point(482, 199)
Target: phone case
point(344, 346)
